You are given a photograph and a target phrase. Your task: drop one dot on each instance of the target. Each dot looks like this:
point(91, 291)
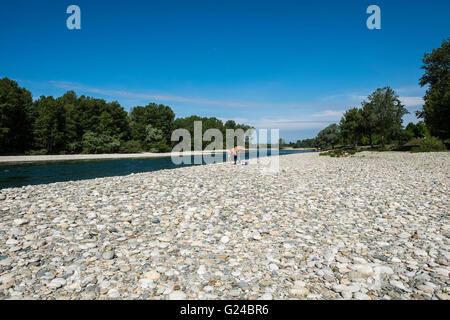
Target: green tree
point(214, 123)
point(85, 124)
point(99, 143)
point(421, 130)
point(154, 138)
point(351, 126)
point(418, 130)
point(230, 124)
point(209, 123)
point(369, 121)
point(305, 143)
point(159, 117)
point(113, 121)
point(386, 111)
point(131, 146)
point(436, 110)
point(48, 125)
point(73, 133)
point(330, 136)
point(15, 122)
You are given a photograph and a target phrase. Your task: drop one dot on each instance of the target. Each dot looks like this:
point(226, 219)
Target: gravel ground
point(372, 226)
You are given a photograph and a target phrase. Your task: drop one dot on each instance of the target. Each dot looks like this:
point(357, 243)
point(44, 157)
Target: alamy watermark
point(374, 21)
point(250, 146)
point(73, 22)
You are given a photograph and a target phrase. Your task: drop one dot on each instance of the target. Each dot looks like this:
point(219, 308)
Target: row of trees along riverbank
point(70, 124)
point(378, 122)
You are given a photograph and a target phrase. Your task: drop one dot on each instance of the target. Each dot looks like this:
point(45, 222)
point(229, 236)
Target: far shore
point(66, 157)
point(142, 155)
point(292, 148)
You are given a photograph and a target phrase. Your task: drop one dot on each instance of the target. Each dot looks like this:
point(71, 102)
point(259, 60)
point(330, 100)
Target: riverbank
point(73, 157)
point(305, 149)
point(13, 175)
point(371, 226)
point(108, 156)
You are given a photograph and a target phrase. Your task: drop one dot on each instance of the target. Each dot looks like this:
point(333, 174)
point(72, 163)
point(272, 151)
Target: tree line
point(70, 124)
point(73, 124)
point(379, 120)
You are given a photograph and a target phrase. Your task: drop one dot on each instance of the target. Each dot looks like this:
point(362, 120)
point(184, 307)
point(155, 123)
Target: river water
point(17, 175)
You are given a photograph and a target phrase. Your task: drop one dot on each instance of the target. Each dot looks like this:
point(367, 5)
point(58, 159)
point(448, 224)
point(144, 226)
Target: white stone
point(177, 295)
point(363, 269)
point(12, 242)
point(146, 283)
point(201, 270)
point(442, 271)
point(299, 291)
point(273, 267)
point(153, 275)
point(361, 296)
point(383, 270)
point(57, 283)
point(267, 296)
point(256, 235)
point(113, 293)
point(20, 222)
point(397, 284)
point(330, 254)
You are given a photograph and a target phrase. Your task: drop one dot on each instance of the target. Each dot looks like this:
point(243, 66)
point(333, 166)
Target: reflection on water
point(40, 173)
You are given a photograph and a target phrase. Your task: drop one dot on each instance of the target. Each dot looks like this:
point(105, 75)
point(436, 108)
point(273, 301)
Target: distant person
point(235, 156)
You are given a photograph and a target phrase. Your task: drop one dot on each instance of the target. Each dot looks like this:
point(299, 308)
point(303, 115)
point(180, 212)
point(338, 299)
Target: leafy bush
point(447, 143)
point(99, 143)
point(37, 152)
point(74, 147)
point(159, 146)
point(132, 146)
point(404, 136)
point(413, 142)
point(429, 144)
point(328, 137)
point(338, 153)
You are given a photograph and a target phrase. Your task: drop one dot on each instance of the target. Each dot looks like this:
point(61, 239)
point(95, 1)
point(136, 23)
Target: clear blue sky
point(290, 65)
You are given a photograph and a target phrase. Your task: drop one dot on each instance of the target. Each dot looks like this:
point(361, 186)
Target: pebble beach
point(370, 226)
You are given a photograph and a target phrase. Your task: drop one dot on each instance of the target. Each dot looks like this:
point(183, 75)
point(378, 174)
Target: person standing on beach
point(235, 156)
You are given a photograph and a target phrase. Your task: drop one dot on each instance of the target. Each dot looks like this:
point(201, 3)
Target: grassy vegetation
point(338, 153)
point(429, 144)
point(425, 144)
